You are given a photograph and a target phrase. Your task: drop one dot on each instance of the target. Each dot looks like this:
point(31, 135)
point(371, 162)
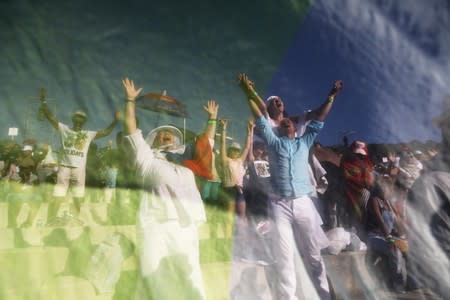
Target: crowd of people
point(276, 197)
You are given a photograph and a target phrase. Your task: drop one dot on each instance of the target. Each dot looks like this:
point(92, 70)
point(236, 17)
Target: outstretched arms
point(48, 114)
point(107, 131)
point(130, 105)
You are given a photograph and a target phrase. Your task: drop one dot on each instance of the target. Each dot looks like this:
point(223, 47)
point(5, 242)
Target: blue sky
point(393, 57)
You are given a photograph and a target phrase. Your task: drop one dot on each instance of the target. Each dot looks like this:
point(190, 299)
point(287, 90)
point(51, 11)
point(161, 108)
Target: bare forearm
point(211, 126)
point(223, 147)
point(131, 94)
point(254, 108)
point(322, 112)
point(250, 156)
point(258, 100)
point(248, 144)
point(130, 117)
point(49, 115)
point(107, 131)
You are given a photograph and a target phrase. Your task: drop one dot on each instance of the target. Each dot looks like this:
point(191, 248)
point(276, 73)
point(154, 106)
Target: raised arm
point(256, 111)
point(109, 129)
point(249, 89)
point(223, 140)
point(48, 114)
point(250, 155)
point(321, 113)
point(249, 141)
point(130, 105)
point(212, 109)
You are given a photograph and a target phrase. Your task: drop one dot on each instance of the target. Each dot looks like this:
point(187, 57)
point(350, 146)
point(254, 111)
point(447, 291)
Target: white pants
point(298, 227)
point(169, 262)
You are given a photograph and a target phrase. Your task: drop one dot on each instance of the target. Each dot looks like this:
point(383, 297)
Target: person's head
point(360, 148)
point(287, 128)
point(406, 157)
point(27, 150)
point(79, 118)
point(275, 106)
point(165, 137)
point(259, 150)
point(234, 151)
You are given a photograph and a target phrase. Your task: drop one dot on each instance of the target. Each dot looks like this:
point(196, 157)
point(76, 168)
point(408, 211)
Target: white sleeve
point(62, 127)
point(140, 150)
point(92, 135)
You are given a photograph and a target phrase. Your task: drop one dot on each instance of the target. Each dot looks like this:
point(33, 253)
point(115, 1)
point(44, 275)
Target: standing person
point(170, 212)
point(72, 166)
point(233, 174)
point(357, 170)
point(275, 111)
point(296, 219)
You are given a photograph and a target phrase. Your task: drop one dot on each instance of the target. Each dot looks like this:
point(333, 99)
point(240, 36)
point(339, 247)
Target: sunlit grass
point(44, 262)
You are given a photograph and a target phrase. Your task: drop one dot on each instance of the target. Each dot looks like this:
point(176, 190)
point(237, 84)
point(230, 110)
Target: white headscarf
point(178, 145)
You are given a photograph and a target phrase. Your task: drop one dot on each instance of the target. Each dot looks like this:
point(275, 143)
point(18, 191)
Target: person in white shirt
point(232, 159)
point(72, 166)
point(170, 211)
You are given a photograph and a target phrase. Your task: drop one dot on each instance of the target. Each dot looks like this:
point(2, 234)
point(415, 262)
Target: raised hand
point(246, 84)
point(223, 123)
point(337, 86)
point(212, 108)
point(130, 91)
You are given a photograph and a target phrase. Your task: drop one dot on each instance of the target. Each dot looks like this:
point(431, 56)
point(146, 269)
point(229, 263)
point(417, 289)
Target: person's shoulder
point(262, 120)
point(62, 126)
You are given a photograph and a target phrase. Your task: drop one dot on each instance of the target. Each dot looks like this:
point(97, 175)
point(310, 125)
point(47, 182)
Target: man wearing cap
point(296, 219)
point(170, 210)
point(72, 166)
point(357, 170)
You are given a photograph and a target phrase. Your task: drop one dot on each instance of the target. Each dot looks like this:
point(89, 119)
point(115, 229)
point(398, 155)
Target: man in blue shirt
point(296, 219)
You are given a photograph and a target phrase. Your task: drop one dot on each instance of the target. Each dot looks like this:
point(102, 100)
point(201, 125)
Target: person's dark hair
point(258, 145)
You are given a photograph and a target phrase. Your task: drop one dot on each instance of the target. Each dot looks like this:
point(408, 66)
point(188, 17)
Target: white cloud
point(403, 50)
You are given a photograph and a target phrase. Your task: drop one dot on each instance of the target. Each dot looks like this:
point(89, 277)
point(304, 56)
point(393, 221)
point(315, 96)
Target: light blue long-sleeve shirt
point(289, 158)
